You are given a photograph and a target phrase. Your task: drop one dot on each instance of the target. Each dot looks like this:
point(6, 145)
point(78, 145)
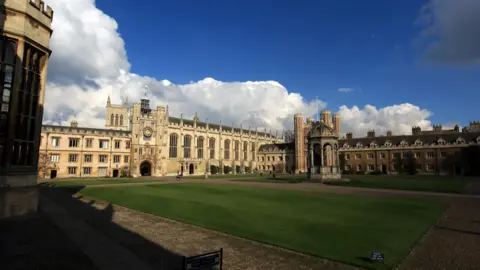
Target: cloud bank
point(89, 62)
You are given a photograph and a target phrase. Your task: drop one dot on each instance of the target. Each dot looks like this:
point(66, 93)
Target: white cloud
point(345, 89)
point(89, 62)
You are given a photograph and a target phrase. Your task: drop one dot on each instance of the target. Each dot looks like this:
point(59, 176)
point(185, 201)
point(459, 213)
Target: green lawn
point(338, 227)
point(406, 182)
point(100, 182)
point(219, 176)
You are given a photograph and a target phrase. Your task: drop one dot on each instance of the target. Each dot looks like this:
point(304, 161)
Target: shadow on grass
point(102, 221)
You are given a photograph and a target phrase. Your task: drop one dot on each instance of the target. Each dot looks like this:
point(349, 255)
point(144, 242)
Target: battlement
point(40, 5)
point(475, 123)
point(326, 111)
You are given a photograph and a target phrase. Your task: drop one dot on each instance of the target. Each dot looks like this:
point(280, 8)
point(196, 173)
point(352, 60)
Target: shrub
point(227, 169)
point(213, 169)
point(376, 172)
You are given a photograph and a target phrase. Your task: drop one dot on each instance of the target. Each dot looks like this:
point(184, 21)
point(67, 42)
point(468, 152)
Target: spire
point(126, 100)
point(108, 101)
point(145, 91)
point(318, 109)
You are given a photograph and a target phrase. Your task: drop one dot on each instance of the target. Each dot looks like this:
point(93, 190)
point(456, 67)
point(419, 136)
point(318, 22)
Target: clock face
point(147, 132)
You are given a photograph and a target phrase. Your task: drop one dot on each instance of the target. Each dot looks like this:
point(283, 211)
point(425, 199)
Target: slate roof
point(214, 126)
point(425, 138)
point(276, 147)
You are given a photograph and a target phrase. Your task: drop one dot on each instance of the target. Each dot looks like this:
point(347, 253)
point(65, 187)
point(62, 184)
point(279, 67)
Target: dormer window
point(418, 143)
point(403, 143)
point(388, 144)
point(359, 145)
point(441, 141)
point(461, 140)
point(345, 145)
point(373, 144)
point(478, 139)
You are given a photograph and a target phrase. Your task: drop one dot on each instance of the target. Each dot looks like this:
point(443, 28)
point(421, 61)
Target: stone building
point(24, 53)
point(139, 140)
point(437, 151)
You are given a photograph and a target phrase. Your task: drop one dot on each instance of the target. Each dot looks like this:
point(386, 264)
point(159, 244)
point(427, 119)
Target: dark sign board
point(203, 260)
point(377, 256)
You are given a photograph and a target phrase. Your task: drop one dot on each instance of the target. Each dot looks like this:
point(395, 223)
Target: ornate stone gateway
point(323, 160)
point(188, 165)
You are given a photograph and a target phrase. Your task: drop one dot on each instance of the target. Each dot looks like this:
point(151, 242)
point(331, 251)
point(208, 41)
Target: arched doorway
point(191, 169)
point(145, 168)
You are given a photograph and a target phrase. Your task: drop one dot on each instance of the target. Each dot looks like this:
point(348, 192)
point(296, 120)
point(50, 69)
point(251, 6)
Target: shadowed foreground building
point(24, 53)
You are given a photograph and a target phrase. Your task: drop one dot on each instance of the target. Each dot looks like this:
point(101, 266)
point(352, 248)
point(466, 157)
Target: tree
point(411, 164)
point(238, 169)
point(44, 161)
point(125, 172)
point(227, 169)
point(213, 169)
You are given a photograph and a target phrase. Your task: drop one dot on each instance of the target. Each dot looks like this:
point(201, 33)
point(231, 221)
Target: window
point(55, 141)
point(73, 142)
point(268, 158)
point(443, 154)
point(371, 167)
point(226, 154)
point(370, 156)
point(358, 156)
point(418, 166)
point(237, 145)
point(187, 144)
point(103, 144)
point(125, 159)
point(72, 158)
point(88, 143)
point(415, 155)
point(55, 158)
point(252, 148)
point(263, 158)
point(245, 150)
point(405, 154)
point(273, 158)
point(280, 158)
point(211, 146)
point(112, 118)
point(87, 158)
point(348, 167)
point(116, 120)
point(359, 168)
point(347, 156)
point(127, 145)
point(173, 146)
point(429, 155)
point(87, 170)
point(430, 167)
point(394, 155)
point(116, 159)
point(117, 144)
point(140, 151)
point(102, 171)
point(102, 158)
point(72, 170)
point(121, 120)
point(200, 142)
point(382, 155)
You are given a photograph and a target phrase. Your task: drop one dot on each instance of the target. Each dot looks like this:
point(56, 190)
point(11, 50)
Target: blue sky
point(310, 47)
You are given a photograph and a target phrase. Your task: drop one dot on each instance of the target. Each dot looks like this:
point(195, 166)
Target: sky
point(381, 64)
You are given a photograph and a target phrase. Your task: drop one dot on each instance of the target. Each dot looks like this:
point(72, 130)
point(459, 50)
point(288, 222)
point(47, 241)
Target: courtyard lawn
point(431, 183)
point(338, 227)
point(220, 176)
point(93, 182)
point(284, 178)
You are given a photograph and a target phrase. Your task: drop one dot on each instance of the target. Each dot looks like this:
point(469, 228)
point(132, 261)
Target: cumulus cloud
point(89, 62)
point(451, 31)
point(345, 89)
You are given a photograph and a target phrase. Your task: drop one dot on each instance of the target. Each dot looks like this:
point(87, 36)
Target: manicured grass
point(220, 176)
point(406, 182)
point(100, 182)
point(268, 180)
point(338, 227)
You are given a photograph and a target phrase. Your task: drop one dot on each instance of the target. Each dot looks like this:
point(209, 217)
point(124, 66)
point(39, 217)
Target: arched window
point(211, 146)
point(237, 146)
point(245, 150)
point(116, 120)
point(226, 154)
point(252, 148)
point(187, 144)
point(200, 147)
point(173, 145)
point(121, 120)
point(112, 118)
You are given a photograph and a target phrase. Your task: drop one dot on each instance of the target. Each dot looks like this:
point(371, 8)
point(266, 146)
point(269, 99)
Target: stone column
point(322, 155)
point(284, 163)
point(337, 158)
point(310, 148)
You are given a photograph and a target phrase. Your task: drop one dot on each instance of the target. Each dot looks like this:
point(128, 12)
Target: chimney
point(437, 128)
point(416, 130)
point(389, 133)
point(327, 118)
point(74, 124)
point(349, 135)
point(457, 128)
point(371, 133)
point(336, 123)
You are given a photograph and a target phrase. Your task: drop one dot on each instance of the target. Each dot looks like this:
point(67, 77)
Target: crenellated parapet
point(74, 129)
point(40, 6)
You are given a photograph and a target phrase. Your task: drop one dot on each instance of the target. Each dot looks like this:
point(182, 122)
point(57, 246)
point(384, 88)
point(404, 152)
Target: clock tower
point(148, 128)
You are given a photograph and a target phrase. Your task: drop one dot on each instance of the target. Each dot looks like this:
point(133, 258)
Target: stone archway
point(191, 168)
point(145, 168)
